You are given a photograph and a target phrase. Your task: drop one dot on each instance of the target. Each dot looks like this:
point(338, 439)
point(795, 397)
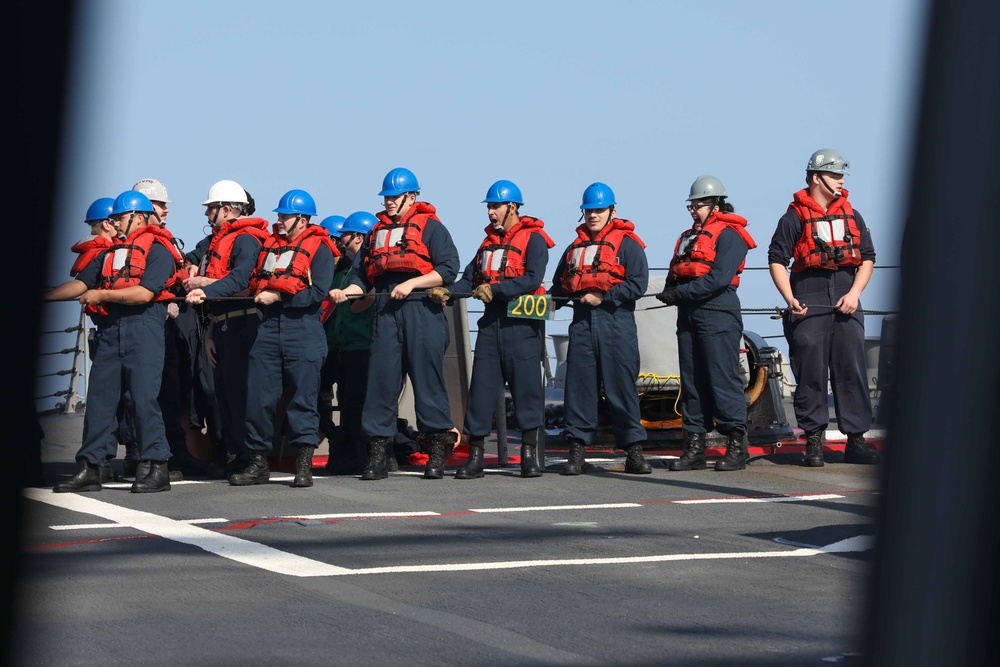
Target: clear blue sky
point(642, 95)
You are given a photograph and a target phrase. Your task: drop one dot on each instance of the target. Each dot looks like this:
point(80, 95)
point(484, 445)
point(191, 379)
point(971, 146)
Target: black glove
point(668, 296)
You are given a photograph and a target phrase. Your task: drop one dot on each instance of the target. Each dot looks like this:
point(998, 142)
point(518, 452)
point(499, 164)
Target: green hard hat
point(829, 160)
point(706, 186)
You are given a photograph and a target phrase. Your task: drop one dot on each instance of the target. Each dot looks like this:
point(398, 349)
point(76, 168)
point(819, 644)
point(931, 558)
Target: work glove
point(438, 295)
point(668, 296)
point(483, 292)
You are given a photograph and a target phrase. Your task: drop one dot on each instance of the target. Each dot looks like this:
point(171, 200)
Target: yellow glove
point(438, 295)
point(483, 292)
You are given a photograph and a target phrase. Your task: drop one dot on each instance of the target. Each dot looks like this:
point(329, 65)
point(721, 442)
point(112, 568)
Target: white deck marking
point(220, 544)
point(549, 508)
point(779, 499)
point(359, 515)
point(91, 526)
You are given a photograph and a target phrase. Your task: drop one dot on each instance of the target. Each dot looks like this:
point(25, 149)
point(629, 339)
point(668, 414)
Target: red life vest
point(694, 252)
point(87, 249)
point(501, 257)
point(126, 262)
point(217, 262)
point(284, 266)
point(399, 246)
point(592, 264)
point(830, 239)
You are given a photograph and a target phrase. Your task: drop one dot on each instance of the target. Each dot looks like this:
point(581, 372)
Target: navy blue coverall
point(508, 349)
point(129, 357)
point(708, 343)
point(825, 343)
point(234, 331)
point(287, 355)
point(409, 336)
point(604, 348)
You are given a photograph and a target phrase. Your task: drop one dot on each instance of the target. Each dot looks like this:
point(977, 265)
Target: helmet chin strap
point(128, 230)
point(499, 226)
point(822, 179)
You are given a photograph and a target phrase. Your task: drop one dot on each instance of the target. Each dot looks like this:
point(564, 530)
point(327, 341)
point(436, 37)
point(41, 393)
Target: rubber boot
point(391, 463)
point(529, 456)
point(303, 467)
point(142, 469)
point(87, 478)
point(814, 450)
point(693, 457)
point(473, 469)
point(575, 460)
point(635, 462)
point(158, 479)
point(376, 460)
point(439, 443)
point(857, 452)
point(735, 457)
point(257, 471)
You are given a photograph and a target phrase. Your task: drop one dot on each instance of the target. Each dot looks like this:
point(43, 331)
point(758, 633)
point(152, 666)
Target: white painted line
point(781, 499)
point(359, 515)
point(602, 506)
point(93, 526)
point(853, 544)
point(220, 544)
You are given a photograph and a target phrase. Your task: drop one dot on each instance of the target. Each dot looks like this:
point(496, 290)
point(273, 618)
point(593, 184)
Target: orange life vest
point(830, 239)
point(217, 262)
point(284, 266)
point(501, 257)
point(694, 252)
point(592, 264)
point(399, 246)
point(87, 249)
point(126, 262)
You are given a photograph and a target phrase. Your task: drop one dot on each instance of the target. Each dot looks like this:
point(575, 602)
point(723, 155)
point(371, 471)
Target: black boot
point(735, 457)
point(158, 479)
point(108, 473)
point(257, 471)
point(635, 462)
point(129, 467)
point(303, 467)
point(814, 450)
point(439, 444)
point(575, 460)
point(87, 478)
point(376, 460)
point(187, 465)
point(391, 464)
point(142, 469)
point(529, 456)
point(473, 469)
point(693, 457)
point(857, 452)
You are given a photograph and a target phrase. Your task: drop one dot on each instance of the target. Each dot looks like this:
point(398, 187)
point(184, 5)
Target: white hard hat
point(153, 189)
point(226, 191)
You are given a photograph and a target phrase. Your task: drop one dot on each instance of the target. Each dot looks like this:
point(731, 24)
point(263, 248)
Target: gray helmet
point(829, 160)
point(153, 189)
point(706, 186)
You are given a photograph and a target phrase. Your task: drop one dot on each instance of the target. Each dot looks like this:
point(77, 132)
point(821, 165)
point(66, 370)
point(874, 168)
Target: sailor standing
point(832, 261)
point(293, 274)
point(510, 263)
point(131, 281)
point(409, 249)
point(604, 271)
point(704, 274)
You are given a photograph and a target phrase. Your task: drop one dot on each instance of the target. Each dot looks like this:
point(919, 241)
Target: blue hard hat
point(296, 202)
point(359, 222)
point(502, 192)
point(100, 209)
point(130, 200)
point(597, 195)
point(333, 224)
point(398, 181)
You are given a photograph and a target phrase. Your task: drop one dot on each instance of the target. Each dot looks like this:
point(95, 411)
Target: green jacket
point(346, 331)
